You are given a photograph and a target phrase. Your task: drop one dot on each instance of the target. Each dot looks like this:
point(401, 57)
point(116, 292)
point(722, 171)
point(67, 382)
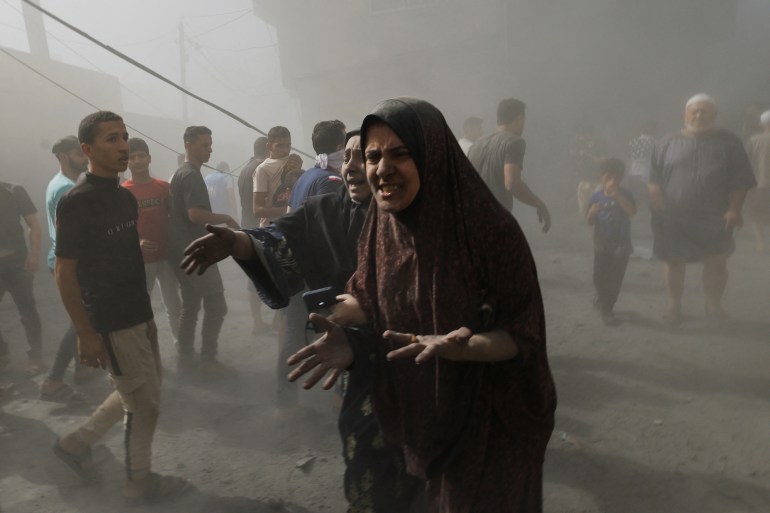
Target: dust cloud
point(649, 418)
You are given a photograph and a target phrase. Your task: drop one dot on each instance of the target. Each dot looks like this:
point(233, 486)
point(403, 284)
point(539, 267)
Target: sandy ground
point(650, 419)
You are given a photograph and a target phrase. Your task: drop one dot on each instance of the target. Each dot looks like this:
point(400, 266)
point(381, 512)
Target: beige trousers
point(135, 371)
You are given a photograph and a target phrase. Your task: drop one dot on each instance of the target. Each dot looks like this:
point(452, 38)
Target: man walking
point(499, 159)
point(190, 211)
point(100, 275)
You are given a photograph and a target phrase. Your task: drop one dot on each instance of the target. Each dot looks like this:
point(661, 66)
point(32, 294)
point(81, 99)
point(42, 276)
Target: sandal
point(155, 488)
point(83, 465)
point(62, 394)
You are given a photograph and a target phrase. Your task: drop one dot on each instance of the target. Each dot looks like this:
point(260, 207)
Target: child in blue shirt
point(609, 212)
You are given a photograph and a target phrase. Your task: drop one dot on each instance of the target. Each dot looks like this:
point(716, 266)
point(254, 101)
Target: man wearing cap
point(698, 182)
point(758, 148)
point(72, 163)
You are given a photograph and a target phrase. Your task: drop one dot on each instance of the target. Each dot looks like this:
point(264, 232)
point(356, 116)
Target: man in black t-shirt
point(190, 212)
point(18, 266)
point(100, 274)
point(499, 159)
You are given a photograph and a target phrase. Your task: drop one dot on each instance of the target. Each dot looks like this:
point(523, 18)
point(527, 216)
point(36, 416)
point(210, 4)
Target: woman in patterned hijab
point(447, 284)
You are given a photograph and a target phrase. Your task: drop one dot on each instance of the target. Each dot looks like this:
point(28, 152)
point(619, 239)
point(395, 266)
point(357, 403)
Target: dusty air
point(385, 256)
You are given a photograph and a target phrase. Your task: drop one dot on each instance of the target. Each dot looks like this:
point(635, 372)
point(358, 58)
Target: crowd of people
point(397, 250)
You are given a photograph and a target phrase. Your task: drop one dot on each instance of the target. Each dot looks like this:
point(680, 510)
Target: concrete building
point(564, 58)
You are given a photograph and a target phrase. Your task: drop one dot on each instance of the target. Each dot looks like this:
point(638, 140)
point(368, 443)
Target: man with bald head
point(698, 182)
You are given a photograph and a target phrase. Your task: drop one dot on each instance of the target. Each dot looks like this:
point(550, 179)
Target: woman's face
point(390, 169)
point(353, 172)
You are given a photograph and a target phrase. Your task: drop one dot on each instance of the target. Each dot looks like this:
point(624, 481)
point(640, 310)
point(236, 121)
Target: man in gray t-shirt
point(499, 159)
point(190, 212)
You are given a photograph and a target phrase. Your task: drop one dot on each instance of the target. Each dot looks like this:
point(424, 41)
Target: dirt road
point(650, 419)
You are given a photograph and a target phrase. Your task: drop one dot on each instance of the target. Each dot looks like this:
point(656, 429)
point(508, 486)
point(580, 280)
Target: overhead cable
point(153, 73)
point(72, 93)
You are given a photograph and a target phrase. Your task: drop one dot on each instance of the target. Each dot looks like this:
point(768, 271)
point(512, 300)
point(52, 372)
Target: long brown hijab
point(453, 258)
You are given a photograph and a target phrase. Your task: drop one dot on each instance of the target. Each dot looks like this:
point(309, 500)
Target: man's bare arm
point(656, 197)
point(737, 197)
point(65, 273)
point(516, 186)
point(203, 216)
point(90, 345)
point(34, 234)
point(521, 191)
point(734, 215)
point(262, 211)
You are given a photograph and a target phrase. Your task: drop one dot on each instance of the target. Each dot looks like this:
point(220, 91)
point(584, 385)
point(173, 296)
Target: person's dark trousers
point(207, 290)
point(290, 340)
point(68, 348)
point(18, 283)
point(609, 270)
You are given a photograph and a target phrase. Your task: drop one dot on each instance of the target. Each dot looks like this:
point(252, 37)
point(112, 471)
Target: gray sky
point(233, 59)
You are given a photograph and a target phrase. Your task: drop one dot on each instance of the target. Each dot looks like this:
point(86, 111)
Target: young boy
point(609, 211)
point(153, 197)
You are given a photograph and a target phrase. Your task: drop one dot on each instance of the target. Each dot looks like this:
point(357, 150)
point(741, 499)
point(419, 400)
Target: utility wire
point(221, 25)
point(72, 93)
point(154, 73)
point(236, 50)
point(12, 26)
point(239, 11)
point(93, 64)
point(130, 43)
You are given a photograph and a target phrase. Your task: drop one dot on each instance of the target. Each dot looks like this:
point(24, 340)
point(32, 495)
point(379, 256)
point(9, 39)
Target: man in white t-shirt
point(472, 132)
point(275, 177)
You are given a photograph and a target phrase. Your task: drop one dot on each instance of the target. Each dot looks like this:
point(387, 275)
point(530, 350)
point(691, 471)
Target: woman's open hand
point(330, 352)
point(424, 347)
